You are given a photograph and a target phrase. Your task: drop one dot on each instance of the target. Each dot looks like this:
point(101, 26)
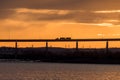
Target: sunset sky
point(38, 19)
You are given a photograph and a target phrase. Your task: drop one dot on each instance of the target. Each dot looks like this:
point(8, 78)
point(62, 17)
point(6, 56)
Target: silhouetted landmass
point(61, 55)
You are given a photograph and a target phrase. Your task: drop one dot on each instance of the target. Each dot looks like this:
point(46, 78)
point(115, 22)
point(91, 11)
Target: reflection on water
point(57, 71)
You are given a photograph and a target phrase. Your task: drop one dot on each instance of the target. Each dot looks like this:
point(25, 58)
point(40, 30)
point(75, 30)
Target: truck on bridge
point(63, 38)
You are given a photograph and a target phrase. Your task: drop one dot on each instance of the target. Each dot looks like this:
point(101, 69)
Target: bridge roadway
point(58, 40)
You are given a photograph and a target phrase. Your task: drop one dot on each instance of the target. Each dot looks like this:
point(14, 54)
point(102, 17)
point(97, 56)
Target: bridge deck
point(57, 40)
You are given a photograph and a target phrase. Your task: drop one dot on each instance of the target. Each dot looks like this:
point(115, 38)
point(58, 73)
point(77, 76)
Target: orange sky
point(37, 19)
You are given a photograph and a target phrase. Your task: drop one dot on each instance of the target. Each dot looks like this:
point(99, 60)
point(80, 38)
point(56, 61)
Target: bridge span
point(63, 40)
point(58, 40)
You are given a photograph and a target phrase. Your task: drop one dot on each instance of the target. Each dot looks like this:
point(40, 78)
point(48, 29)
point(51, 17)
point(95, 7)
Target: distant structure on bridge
point(63, 38)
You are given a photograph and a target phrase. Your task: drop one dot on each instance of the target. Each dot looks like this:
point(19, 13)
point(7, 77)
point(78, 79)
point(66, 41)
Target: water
point(58, 71)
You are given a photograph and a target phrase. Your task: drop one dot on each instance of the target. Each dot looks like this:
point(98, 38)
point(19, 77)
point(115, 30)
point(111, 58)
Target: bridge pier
point(107, 47)
point(46, 45)
point(76, 45)
point(16, 45)
point(16, 49)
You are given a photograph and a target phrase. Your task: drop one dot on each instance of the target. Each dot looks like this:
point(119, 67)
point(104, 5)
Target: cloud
point(79, 11)
point(6, 13)
point(78, 16)
point(45, 16)
point(108, 11)
point(61, 4)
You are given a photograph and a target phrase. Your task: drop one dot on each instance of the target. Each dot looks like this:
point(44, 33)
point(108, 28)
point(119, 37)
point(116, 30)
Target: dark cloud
point(6, 13)
point(62, 4)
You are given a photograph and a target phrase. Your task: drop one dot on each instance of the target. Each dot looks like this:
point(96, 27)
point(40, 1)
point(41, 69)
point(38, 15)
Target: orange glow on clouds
point(108, 11)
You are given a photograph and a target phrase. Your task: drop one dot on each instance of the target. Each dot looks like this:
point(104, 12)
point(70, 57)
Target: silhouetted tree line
point(80, 56)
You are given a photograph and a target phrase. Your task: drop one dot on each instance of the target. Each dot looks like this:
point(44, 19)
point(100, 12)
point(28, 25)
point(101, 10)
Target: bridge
point(63, 40)
point(57, 40)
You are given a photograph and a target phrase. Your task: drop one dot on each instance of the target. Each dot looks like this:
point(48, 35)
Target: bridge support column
point(46, 45)
point(16, 49)
point(16, 45)
point(107, 47)
point(76, 45)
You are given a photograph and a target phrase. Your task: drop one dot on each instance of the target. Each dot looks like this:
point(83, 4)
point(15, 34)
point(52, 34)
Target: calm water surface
point(58, 71)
